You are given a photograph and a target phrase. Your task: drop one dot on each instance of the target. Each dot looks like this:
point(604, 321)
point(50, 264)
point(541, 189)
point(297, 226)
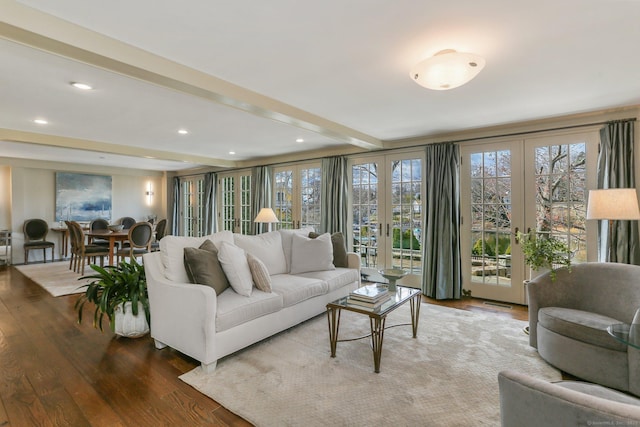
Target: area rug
point(448, 376)
point(55, 277)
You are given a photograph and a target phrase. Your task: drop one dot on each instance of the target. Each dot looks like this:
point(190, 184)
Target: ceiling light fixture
point(447, 69)
point(183, 131)
point(40, 121)
point(82, 86)
point(232, 152)
point(299, 140)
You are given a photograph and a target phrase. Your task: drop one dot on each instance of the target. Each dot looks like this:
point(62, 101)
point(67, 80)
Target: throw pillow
point(267, 247)
point(340, 258)
point(203, 267)
point(311, 254)
point(234, 263)
point(287, 236)
point(259, 273)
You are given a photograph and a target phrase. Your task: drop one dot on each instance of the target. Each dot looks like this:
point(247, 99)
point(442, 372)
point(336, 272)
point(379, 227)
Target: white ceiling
point(252, 77)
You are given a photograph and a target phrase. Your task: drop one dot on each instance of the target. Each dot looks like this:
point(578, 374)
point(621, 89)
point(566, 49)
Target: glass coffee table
point(377, 318)
point(626, 333)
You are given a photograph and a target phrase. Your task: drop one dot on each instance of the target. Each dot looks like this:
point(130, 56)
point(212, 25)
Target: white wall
point(31, 194)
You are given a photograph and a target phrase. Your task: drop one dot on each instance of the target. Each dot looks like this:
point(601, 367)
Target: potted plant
point(120, 293)
point(543, 251)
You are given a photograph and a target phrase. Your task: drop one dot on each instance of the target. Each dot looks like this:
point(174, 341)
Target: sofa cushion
point(172, 252)
point(584, 326)
point(340, 258)
point(203, 267)
point(295, 289)
point(259, 273)
point(287, 237)
point(335, 279)
point(234, 309)
point(234, 263)
point(311, 254)
point(267, 247)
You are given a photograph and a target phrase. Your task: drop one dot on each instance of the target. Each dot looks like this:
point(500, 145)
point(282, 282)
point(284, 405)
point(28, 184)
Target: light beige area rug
point(55, 277)
point(445, 377)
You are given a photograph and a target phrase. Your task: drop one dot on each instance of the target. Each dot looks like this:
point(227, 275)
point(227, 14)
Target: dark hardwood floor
point(58, 373)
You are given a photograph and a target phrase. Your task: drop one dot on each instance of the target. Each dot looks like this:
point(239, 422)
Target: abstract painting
point(82, 197)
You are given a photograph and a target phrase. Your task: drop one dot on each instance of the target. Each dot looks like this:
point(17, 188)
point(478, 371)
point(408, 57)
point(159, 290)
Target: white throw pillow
point(172, 252)
point(267, 247)
point(287, 236)
point(235, 266)
point(311, 254)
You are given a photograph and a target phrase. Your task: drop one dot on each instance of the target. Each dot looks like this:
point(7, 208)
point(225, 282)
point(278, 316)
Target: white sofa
point(192, 319)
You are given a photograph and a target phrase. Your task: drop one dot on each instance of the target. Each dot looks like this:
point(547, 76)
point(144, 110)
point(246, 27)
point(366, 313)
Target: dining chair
point(82, 251)
point(139, 241)
point(35, 237)
point(99, 224)
point(161, 231)
point(127, 222)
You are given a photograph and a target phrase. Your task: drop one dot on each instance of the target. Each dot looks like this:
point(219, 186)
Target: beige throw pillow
point(311, 254)
point(203, 267)
point(259, 273)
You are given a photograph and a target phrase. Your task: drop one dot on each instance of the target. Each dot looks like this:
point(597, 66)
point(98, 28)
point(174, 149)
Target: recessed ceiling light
point(232, 152)
point(40, 121)
point(299, 140)
point(183, 131)
point(82, 86)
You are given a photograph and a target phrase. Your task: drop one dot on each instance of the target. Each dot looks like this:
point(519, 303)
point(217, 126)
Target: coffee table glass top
point(628, 334)
point(398, 297)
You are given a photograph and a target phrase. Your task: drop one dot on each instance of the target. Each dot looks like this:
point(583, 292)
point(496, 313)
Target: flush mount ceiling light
point(40, 121)
point(82, 86)
point(183, 131)
point(447, 69)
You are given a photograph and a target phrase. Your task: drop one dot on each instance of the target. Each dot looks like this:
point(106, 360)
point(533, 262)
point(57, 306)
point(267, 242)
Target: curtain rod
point(630, 119)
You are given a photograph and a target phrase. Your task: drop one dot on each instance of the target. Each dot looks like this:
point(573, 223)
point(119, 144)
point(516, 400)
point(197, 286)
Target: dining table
point(112, 237)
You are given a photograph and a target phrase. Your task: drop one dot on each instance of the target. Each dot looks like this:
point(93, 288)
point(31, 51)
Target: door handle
point(387, 230)
point(517, 239)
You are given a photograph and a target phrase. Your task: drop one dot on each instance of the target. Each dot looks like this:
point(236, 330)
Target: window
point(297, 196)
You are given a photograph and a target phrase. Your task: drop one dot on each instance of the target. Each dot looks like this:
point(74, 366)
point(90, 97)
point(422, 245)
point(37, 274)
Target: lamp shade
point(447, 69)
point(266, 215)
point(614, 204)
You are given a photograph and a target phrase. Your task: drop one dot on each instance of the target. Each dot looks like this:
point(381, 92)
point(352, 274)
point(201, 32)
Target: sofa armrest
point(182, 314)
point(353, 260)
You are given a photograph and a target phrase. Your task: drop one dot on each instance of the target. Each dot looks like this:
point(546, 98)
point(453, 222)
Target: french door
point(297, 196)
point(387, 193)
point(538, 184)
point(192, 192)
point(234, 207)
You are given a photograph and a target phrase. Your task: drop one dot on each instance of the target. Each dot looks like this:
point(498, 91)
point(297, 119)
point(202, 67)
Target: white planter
point(128, 325)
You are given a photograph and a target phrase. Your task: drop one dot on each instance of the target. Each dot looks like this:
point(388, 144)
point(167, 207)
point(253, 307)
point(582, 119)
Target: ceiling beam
point(33, 28)
point(108, 148)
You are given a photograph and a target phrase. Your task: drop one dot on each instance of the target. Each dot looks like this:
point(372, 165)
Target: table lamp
point(613, 204)
point(266, 216)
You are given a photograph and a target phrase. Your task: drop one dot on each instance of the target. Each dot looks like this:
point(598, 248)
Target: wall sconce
point(149, 193)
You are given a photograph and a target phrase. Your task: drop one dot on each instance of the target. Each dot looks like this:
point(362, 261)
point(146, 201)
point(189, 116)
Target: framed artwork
point(82, 197)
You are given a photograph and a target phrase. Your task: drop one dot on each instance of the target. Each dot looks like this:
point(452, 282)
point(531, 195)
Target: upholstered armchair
point(569, 316)
point(35, 237)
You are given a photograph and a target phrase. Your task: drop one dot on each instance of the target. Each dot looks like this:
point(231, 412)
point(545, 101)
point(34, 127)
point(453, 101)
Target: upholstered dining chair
point(80, 251)
point(161, 231)
point(139, 242)
point(35, 237)
point(127, 222)
point(99, 224)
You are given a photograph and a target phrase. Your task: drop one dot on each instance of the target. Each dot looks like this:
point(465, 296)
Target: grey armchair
point(568, 320)
point(531, 402)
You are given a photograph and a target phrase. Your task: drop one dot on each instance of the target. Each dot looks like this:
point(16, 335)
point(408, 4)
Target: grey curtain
point(442, 278)
point(175, 211)
point(261, 190)
point(209, 220)
point(334, 203)
point(616, 170)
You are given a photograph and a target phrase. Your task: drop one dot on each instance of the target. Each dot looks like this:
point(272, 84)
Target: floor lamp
point(266, 216)
point(613, 204)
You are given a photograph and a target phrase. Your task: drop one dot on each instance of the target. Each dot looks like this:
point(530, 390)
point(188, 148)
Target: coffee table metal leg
point(415, 313)
point(377, 335)
point(333, 316)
